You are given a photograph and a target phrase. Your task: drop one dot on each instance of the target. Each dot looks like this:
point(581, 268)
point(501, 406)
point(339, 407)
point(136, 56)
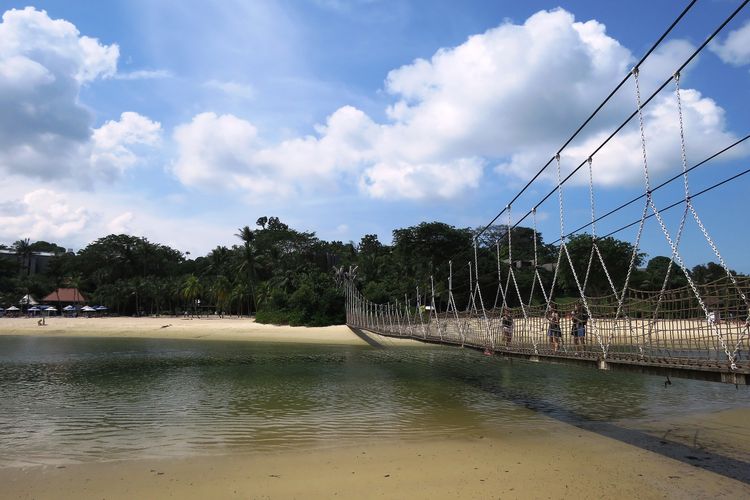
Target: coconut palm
point(248, 264)
point(191, 289)
point(24, 252)
point(221, 290)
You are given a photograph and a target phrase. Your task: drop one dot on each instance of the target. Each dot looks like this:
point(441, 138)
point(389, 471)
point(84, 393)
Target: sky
point(183, 121)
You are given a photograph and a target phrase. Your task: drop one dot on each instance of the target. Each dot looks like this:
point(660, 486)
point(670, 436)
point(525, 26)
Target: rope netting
point(705, 325)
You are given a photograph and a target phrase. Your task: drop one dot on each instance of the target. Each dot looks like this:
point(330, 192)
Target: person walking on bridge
point(553, 331)
point(579, 319)
point(507, 324)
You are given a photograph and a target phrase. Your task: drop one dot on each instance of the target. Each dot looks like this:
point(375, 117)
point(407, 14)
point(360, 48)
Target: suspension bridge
point(699, 331)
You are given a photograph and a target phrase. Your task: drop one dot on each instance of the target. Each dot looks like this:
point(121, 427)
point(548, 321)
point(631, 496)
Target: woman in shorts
point(553, 330)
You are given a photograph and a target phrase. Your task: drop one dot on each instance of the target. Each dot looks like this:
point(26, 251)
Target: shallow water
point(91, 399)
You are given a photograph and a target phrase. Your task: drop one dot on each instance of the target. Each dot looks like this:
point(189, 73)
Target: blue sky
point(182, 121)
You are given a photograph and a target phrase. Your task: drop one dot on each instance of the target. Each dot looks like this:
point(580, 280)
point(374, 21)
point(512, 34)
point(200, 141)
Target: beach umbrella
point(87, 309)
point(50, 309)
point(101, 308)
point(69, 308)
point(28, 300)
point(13, 308)
point(34, 309)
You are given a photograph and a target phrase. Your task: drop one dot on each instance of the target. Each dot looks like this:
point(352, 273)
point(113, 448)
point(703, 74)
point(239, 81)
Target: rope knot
point(634, 71)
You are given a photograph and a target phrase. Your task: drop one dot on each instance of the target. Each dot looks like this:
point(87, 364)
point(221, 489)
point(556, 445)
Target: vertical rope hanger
point(694, 212)
point(537, 276)
point(510, 267)
point(489, 341)
point(564, 248)
point(500, 291)
point(660, 220)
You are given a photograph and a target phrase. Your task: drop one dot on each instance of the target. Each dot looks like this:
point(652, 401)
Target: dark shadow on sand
point(698, 457)
point(367, 338)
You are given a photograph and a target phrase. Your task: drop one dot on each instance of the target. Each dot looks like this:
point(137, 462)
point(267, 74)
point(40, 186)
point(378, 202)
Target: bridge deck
point(687, 363)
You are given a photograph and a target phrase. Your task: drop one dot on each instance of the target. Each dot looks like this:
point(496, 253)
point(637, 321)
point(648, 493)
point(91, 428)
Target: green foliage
point(283, 276)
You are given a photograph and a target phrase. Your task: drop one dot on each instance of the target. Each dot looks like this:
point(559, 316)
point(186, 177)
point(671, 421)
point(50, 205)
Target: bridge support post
point(734, 378)
point(534, 359)
point(602, 364)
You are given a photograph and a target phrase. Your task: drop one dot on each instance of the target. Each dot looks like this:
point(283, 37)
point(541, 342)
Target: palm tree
point(239, 294)
point(191, 289)
point(221, 289)
point(24, 252)
point(248, 263)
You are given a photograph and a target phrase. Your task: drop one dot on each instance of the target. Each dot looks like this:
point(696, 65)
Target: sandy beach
point(563, 462)
point(207, 328)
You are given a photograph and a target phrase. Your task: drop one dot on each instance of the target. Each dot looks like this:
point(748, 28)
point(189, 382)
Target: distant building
point(39, 260)
point(65, 296)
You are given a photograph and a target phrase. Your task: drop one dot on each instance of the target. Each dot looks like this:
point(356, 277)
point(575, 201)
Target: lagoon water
point(65, 400)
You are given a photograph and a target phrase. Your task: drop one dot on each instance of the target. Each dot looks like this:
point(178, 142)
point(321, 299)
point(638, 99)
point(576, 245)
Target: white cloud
point(509, 96)
point(417, 181)
point(45, 132)
point(41, 214)
point(215, 151)
point(74, 218)
point(122, 224)
point(735, 49)
point(225, 152)
point(113, 143)
point(144, 74)
point(233, 89)
point(621, 161)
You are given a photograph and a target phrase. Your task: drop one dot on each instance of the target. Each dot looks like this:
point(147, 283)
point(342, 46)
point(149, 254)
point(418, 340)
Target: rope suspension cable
point(680, 202)
point(663, 184)
point(592, 115)
point(644, 103)
point(580, 128)
point(624, 123)
point(689, 204)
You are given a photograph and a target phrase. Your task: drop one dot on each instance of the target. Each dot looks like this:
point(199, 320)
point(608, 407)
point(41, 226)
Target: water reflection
point(71, 399)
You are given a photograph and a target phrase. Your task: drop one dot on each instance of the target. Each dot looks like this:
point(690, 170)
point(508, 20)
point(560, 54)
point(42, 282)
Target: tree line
point(284, 276)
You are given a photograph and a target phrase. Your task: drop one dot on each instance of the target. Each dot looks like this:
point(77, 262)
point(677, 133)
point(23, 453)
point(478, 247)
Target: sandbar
point(206, 327)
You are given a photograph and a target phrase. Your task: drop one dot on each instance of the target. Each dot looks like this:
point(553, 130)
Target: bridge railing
point(675, 336)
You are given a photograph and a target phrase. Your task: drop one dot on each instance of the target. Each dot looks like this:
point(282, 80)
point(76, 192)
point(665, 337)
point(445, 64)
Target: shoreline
point(178, 327)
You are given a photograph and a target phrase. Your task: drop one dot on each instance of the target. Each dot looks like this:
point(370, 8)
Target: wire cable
point(643, 105)
point(592, 115)
point(668, 181)
point(710, 188)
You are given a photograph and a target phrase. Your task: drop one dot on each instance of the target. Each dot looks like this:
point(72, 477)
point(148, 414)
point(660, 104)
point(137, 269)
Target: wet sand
point(207, 327)
point(562, 462)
